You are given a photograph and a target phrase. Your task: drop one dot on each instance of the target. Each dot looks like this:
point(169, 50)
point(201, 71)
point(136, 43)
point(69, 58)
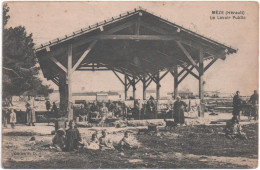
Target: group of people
point(70, 140)
point(238, 105)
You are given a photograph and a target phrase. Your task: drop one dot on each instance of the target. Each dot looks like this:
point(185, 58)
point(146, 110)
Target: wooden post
point(69, 72)
point(144, 88)
point(63, 92)
point(201, 83)
point(133, 87)
point(125, 87)
point(158, 86)
point(175, 69)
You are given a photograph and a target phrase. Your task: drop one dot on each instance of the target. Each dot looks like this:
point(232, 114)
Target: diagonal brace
point(187, 55)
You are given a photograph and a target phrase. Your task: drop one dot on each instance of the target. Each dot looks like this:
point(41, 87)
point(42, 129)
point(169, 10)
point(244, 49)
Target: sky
point(49, 20)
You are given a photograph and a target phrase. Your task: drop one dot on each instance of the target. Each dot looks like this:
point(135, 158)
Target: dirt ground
point(191, 146)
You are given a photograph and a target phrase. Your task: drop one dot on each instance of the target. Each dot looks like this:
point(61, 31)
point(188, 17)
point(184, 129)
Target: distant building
point(80, 97)
point(183, 94)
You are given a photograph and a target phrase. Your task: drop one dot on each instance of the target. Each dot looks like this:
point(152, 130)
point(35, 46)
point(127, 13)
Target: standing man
point(54, 109)
point(237, 101)
point(48, 105)
point(254, 101)
point(179, 107)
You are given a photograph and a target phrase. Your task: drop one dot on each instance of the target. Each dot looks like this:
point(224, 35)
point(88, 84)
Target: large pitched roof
point(135, 43)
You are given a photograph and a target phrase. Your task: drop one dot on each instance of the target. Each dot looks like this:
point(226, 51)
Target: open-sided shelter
point(137, 44)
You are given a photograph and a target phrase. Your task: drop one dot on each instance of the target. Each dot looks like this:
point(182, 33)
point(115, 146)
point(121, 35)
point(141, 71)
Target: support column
point(125, 87)
point(133, 87)
point(158, 86)
point(201, 84)
point(175, 71)
point(201, 73)
point(144, 88)
point(63, 93)
point(69, 72)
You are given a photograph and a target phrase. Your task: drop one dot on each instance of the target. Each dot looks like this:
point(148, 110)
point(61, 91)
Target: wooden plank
point(144, 88)
point(210, 64)
point(84, 55)
point(158, 86)
point(137, 26)
point(58, 64)
point(188, 55)
point(189, 71)
point(182, 71)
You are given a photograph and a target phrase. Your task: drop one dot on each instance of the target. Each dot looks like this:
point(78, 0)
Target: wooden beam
point(164, 75)
point(176, 83)
point(201, 73)
point(148, 83)
point(126, 87)
point(185, 75)
point(158, 86)
point(189, 71)
point(182, 71)
point(118, 77)
point(188, 55)
point(210, 64)
point(55, 81)
point(84, 55)
point(58, 64)
point(100, 69)
point(144, 88)
point(138, 37)
point(69, 83)
point(134, 89)
point(137, 26)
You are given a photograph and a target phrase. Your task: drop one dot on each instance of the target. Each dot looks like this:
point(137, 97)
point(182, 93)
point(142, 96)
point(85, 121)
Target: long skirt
point(31, 118)
point(179, 116)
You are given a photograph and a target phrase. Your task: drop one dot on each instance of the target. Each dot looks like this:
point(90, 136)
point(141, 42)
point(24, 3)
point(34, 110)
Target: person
point(237, 105)
point(103, 111)
point(94, 143)
point(179, 107)
point(12, 118)
point(117, 111)
point(59, 140)
point(126, 142)
point(254, 101)
point(48, 105)
point(73, 137)
point(31, 118)
point(104, 142)
point(5, 114)
point(54, 109)
point(233, 129)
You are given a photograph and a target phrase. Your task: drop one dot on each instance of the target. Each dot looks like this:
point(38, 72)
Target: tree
point(19, 62)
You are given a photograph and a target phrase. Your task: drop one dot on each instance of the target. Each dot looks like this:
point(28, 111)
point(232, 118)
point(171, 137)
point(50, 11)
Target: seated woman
point(104, 142)
point(73, 137)
point(234, 130)
point(94, 143)
point(126, 142)
point(58, 140)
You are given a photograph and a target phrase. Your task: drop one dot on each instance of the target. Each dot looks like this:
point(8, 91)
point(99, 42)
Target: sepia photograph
point(130, 85)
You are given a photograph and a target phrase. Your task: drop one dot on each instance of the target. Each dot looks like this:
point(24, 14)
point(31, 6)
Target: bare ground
point(199, 146)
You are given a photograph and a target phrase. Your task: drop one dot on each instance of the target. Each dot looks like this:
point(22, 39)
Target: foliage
point(20, 69)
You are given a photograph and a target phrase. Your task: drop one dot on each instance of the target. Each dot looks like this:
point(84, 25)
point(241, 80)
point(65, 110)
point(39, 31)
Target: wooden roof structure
point(138, 44)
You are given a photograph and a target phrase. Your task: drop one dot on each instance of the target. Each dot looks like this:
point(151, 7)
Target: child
point(59, 140)
point(12, 118)
point(104, 142)
point(94, 143)
point(126, 142)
